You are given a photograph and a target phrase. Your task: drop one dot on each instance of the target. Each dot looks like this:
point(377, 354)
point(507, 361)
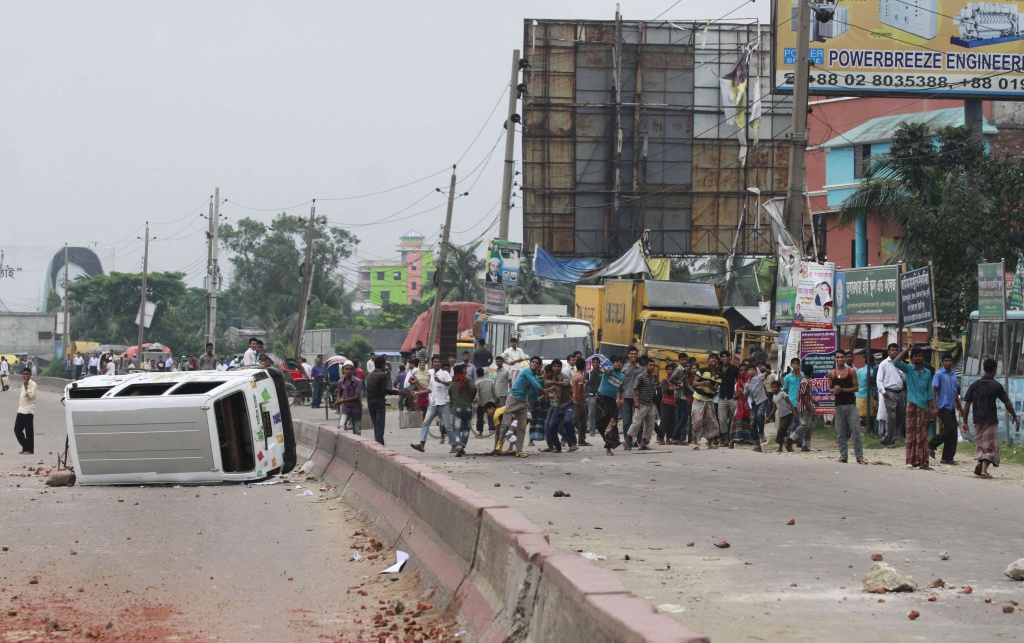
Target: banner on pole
point(494, 299)
point(916, 297)
point(867, 295)
point(818, 348)
point(814, 295)
point(991, 292)
point(503, 262)
point(1017, 289)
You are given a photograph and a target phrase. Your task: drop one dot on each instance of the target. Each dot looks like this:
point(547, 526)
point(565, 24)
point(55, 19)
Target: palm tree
point(463, 273)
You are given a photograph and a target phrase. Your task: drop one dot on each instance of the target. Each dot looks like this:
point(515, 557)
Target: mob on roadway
point(180, 427)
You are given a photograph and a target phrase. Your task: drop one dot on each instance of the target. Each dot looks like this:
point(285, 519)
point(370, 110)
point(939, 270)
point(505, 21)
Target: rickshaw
point(300, 390)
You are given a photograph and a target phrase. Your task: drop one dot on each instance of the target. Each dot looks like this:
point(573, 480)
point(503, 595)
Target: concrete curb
point(490, 564)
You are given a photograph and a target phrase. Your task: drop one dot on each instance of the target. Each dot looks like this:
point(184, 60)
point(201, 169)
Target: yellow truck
point(660, 318)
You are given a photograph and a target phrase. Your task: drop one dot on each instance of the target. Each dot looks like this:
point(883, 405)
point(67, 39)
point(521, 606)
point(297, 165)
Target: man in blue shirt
point(920, 407)
point(523, 394)
point(946, 390)
point(608, 403)
point(866, 393)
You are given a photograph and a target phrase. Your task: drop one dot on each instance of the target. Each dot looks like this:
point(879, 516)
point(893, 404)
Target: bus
point(984, 341)
point(189, 427)
point(549, 337)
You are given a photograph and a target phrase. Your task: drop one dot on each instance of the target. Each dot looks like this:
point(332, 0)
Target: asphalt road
point(775, 581)
point(230, 562)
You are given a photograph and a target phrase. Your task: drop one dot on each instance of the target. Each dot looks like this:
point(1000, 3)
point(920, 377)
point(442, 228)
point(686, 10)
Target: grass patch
point(824, 433)
point(1014, 454)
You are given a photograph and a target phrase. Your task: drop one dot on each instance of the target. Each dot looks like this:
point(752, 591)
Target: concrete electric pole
point(307, 283)
point(142, 299)
point(798, 152)
point(510, 145)
point(214, 270)
point(67, 333)
point(435, 315)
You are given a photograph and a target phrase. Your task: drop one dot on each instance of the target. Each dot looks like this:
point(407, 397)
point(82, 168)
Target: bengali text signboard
point(814, 300)
point(867, 295)
point(991, 292)
point(896, 47)
point(916, 297)
point(818, 348)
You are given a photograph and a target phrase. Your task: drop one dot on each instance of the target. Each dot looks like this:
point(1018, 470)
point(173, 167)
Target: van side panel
point(619, 312)
point(590, 306)
point(164, 440)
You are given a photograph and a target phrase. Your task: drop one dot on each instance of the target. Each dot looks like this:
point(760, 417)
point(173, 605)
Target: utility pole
point(798, 152)
point(307, 282)
point(142, 299)
point(510, 145)
point(209, 270)
point(214, 270)
point(435, 315)
point(66, 334)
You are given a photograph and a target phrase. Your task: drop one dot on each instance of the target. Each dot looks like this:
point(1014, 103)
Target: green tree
point(463, 274)
point(267, 262)
point(357, 347)
point(53, 302)
point(952, 204)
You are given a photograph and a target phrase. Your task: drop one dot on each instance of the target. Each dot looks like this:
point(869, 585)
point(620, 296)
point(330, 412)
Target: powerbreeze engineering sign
point(925, 47)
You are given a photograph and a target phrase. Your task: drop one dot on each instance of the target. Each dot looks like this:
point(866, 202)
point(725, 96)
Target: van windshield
point(554, 340)
point(685, 336)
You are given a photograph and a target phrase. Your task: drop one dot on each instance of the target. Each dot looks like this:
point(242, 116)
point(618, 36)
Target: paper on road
point(397, 567)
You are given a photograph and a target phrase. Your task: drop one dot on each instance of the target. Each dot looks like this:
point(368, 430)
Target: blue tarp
point(565, 270)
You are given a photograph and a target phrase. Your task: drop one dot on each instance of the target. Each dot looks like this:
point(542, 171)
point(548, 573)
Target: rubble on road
point(1015, 570)
point(886, 577)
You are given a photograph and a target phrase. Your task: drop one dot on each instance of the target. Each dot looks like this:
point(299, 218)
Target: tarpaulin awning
point(634, 261)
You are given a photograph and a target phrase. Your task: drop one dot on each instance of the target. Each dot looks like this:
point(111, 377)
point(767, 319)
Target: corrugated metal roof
point(883, 128)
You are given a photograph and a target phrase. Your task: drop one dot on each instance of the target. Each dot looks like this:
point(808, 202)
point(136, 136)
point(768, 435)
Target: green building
point(401, 279)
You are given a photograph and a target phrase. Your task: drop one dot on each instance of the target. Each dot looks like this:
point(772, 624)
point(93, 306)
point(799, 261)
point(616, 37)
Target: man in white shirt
point(94, 365)
point(79, 365)
point(111, 368)
point(439, 380)
point(5, 373)
point(514, 356)
point(306, 368)
point(169, 363)
point(24, 427)
point(370, 367)
point(893, 395)
point(252, 354)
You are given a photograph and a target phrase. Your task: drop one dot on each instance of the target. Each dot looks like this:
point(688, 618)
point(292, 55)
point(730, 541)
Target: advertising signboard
point(952, 48)
point(916, 297)
point(503, 262)
point(29, 274)
point(814, 295)
point(991, 292)
point(818, 348)
point(494, 299)
point(867, 295)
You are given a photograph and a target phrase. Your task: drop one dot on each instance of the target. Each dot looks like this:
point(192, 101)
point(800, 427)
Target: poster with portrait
point(815, 301)
point(29, 274)
point(503, 262)
point(818, 349)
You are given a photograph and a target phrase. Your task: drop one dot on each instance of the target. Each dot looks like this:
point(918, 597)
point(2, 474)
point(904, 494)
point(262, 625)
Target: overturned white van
point(180, 427)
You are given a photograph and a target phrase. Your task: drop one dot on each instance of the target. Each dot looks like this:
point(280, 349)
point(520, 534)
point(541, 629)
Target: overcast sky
point(118, 112)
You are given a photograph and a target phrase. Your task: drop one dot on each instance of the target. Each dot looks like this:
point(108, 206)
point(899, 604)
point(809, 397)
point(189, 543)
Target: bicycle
point(328, 400)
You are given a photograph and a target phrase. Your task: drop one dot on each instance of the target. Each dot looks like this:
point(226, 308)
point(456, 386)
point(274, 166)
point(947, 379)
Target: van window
point(88, 392)
point(195, 388)
point(234, 433)
point(145, 389)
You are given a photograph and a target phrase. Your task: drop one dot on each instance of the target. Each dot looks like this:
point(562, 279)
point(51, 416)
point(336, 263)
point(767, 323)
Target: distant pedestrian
point(631, 370)
point(252, 354)
point(24, 422)
point(207, 361)
point(727, 393)
point(524, 392)
point(946, 390)
point(782, 414)
point(580, 416)
point(94, 364)
point(893, 391)
point(703, 418)
point(920, 407)
point(462, 393)
point(482, 356)
point(760, 404)
point(349, 399)
point(378, 387)
point(645, 413)
point(420, 353)
point(983, 395)
point(318, 375)
point(438, 381)
point(558, 424)
point(79, 365)
point(806, 408)
point(68, 367)
point(5, 374)
point(842, 381)
point(484, 395)
point(514, 356)
point(608, 403)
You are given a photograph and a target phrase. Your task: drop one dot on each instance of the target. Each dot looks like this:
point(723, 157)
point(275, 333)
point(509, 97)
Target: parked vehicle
point(299, 387)
point(660, 318)
point(984, 341)
point(180, 427)
point(548, 336)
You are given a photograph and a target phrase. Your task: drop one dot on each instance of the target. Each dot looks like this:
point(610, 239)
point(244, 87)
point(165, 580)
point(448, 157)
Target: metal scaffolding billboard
point(601, 165)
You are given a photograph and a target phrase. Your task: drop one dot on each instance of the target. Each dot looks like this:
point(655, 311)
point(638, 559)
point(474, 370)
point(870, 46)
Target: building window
point(385, 295)
point(380, 275)
point(412, 266)
point(412, 286)
point(397, 275)
point(861, 160)
point(45, 334)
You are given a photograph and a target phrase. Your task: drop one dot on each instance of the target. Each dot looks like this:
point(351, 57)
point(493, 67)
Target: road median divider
point(488, 563)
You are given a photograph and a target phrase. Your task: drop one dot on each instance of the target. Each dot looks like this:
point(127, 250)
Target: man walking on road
point(525, 392)
point(378, 387)
point(703, 420)
point(630, 371)
point(842, 381)
point(319, 375)
point(5, 374)
point(645, 387)
point(759, 403)
point(983, 394)
point(608, 403)
point(580, 416)
point(24, 422)
point(727, 393)
point(946, 391)
point(559, 420)
point(79, 365)
point(439, 381)
point(920, 407)
point(501, 377)
point(484, 394)
point(892, 389)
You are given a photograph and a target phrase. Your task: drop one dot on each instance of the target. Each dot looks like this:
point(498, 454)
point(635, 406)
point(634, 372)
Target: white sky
point(117, 112)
